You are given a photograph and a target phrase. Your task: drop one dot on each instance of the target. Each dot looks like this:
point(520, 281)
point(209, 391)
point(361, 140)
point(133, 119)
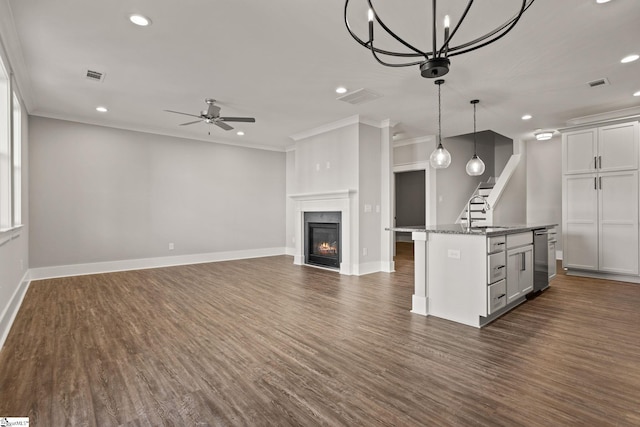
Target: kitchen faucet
point(485, 208)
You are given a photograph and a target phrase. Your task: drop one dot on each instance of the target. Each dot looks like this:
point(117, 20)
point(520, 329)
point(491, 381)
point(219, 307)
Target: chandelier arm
point(389, 64)
point(462, 17)
point(380, 51)
point(469, 46)
point(391, 33)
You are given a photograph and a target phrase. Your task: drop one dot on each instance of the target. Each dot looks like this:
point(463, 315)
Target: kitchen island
point(472, 275)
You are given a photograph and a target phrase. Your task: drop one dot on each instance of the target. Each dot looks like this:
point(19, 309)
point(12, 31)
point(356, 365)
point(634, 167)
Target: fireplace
point(322, 239)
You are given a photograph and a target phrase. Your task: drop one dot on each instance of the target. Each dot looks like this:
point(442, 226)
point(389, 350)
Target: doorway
point(410, 201)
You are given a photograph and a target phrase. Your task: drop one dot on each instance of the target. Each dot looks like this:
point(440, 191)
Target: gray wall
point(544, 183)
point(369, 189)
point(454, 186)
point(104, 194)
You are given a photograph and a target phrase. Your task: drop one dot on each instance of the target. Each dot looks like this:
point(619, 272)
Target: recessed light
point(527, 117)
point(603, 1)
point(140, 20)
point(101, 109)
point(240, 133)
point(637, 93)
point(341, 89)
point(629, 58)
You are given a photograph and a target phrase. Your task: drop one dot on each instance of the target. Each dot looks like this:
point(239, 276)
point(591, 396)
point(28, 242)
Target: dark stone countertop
point(489, 230)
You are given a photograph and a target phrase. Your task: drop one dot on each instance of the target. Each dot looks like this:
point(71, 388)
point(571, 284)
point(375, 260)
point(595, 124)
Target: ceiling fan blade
point(178, 112)
point(190, 123)
point(238, 119)
point(222, 124)
point(213, 111)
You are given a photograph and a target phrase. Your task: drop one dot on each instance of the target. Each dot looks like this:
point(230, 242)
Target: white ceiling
point(280, 62)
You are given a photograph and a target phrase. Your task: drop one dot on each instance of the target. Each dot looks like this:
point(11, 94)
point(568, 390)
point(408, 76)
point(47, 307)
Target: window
point(10, 153)
point(16, 150)
point(5, 151)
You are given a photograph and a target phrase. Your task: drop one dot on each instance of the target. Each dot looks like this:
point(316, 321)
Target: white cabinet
point(519, 272)
point(603, 149)
point(618, 222)
point(600, 198)
point(519, 265)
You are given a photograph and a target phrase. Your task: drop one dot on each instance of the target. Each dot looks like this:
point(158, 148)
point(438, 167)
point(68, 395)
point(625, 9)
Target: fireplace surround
point(340, 201)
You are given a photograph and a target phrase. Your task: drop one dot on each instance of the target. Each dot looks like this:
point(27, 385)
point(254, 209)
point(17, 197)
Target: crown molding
point(412, 141)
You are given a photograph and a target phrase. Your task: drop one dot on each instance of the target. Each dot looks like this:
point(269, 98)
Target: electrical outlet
point(328, 165)
point(367, 208)
point(317, 166)
point(364, 251)
point(171, 246)
point(453, 253)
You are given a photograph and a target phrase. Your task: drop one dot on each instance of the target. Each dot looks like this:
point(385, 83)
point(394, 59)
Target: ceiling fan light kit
point(212, 116)
point(433, 63)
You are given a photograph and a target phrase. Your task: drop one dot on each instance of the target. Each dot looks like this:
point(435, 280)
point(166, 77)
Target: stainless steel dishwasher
point(541, 259)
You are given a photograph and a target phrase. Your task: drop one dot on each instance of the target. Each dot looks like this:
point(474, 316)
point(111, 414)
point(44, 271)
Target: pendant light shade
point(475, 166)
point(440, 158)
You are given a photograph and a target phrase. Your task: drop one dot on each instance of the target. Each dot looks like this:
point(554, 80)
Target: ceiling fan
point(212, 115)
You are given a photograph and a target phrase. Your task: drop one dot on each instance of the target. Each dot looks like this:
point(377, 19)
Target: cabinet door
point(618, 222)
point(618, 147)
point(580, 221)
point(514, 263)
point(526, 270)
point(579, 151)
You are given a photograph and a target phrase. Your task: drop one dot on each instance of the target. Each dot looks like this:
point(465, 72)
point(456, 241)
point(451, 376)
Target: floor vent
point(95, 75)
point(599, 82)
point(359, 96)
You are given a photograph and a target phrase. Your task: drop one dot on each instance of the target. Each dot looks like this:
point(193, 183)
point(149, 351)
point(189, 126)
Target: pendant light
point(440, 158)
point(475, 166)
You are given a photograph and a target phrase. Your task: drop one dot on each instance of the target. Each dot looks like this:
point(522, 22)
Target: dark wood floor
point(264, 342)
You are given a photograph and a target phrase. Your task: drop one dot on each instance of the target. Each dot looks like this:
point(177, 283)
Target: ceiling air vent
point(359, 96)
point(95, 75)
point(599, 82)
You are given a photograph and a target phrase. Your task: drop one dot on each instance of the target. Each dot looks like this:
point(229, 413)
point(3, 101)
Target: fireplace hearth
point(322, 239)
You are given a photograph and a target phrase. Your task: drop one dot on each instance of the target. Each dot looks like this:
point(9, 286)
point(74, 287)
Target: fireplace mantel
point(326, 195)
point(328, 201)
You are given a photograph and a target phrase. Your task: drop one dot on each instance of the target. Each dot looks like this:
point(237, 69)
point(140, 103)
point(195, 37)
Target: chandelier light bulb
point(447, 21)
point(370, 15)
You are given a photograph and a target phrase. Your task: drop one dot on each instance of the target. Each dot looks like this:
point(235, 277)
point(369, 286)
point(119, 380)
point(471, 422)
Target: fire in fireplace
point(322, 236)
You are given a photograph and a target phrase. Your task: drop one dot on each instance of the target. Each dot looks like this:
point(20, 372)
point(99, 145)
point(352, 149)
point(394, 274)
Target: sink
point(484, 227)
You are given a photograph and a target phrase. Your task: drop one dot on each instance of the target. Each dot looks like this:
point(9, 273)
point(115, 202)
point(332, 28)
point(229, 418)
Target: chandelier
point(434, 63)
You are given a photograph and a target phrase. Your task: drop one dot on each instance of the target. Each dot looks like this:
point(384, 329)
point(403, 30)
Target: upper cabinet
point(602, 149)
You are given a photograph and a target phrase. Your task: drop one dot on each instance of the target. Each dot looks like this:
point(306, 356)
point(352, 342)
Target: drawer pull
point(500, 266)
point(501, 296)
point(499, 244)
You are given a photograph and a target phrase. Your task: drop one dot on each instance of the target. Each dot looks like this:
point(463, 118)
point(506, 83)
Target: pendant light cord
point(439, 116)
point(475, 145)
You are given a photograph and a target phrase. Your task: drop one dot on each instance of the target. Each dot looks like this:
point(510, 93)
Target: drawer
point(496, 267)
point(495, 244)
point(497, 296)
point(520, 239)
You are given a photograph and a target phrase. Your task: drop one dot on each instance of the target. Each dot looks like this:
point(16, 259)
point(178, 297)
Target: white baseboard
point(559, 255)
point(145, 263)
point(367, 268)
point(290, 251)
point(11, 310)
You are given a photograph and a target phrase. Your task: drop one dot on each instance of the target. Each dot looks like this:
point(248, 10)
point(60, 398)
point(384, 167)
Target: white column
point(420, 300)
